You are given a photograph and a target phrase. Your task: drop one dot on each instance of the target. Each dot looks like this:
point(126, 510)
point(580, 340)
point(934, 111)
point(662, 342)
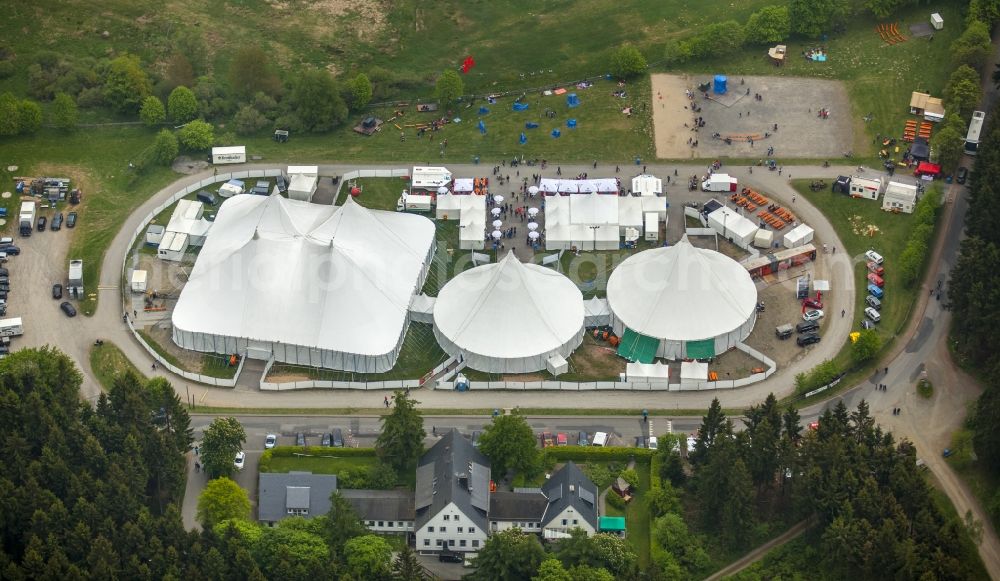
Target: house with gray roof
point(572, 502)
point(293, 494)
point(524, 509)
point(452, 500)
point(383, 511)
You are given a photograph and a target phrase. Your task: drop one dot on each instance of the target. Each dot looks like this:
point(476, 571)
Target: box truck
point(27, 218)
point(413, 203)
point(11, 327)
point(719, 182)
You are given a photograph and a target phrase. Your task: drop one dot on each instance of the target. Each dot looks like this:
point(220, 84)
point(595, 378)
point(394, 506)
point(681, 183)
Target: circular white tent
point(695, 302)
point(509, 317)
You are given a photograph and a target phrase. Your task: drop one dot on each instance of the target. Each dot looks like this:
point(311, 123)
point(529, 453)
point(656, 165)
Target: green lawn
point(637, 517)
point(321, 465)
point(379, 193)
point(108, 362)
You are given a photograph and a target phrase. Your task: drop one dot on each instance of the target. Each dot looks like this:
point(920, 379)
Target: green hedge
point(598, 453)
point(287, 451)
point(654, 471)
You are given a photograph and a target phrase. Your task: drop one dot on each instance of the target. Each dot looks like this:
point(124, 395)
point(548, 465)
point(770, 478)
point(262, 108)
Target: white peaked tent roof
point(509, 316)
point(681, 293)
point(335, 278)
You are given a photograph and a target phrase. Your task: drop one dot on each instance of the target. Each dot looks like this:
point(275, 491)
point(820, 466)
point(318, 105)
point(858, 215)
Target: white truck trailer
point(719, 182)
point(11, 327)
point(26, 220)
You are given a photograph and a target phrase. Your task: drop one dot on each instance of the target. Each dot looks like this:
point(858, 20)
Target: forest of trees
point(974, 298)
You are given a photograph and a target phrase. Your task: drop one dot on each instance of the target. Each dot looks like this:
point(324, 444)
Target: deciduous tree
point(867, 346)
point(509, 555)
point(552, 570)
point(222, 440)
point(449, 87)
point(963, 91)
point(63, 112)
point(182, 105)
point(152, 112)
point(251, 71)
point(768, 25)
point(196, 135)
point(361, 91)
point(509, 442)
point(126, 84)
point(29, 116)
point(628, 62)
point(316, 102)
point(973, 47)
point(368, 557)
point(165, 148)
point(222, 499)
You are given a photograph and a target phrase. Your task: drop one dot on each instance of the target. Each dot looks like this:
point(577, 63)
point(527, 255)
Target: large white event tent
point(680, 302)
point(309, 284)
point(509, 317)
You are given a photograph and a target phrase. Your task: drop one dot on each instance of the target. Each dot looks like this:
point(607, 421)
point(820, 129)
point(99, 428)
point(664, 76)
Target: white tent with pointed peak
point(697, 302)
point(309, 284)
point(509, 317)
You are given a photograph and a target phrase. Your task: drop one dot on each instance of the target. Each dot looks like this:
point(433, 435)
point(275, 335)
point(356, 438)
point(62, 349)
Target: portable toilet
point(719, 86)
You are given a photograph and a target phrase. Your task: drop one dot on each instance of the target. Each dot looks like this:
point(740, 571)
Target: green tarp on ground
point(704, 349)
point(638, 348)
point(611, 523)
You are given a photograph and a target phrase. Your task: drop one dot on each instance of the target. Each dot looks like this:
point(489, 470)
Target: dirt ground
point(792, 104)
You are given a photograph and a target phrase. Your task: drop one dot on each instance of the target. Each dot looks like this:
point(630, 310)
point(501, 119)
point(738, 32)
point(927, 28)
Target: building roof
point(518, 506)
point(279, 492)
point(332, 278)
point(453, 471)
point(394, 505)
point(430, 177)
point(681, 293)
point(901, 192)
point(734, 223)
point(509, 313)
point(569, 486)
point(612, 523)
point(647, 185)
point(186, 219)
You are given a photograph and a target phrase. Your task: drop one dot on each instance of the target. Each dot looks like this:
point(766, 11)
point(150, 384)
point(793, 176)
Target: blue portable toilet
point(572, 100)
point(571, 123)
point(523, 139)
point(719, 86)
point(556, 133)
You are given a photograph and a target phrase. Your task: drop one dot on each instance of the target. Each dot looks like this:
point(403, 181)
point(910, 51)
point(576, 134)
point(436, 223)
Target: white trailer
point(229, 154)
point(74, 286)
point(763, 238)
point(138, 282)
point(652, 227)
point(719, 182)
point(26, 219)
point(11, 327)
point(232, 188)
point(414, 203)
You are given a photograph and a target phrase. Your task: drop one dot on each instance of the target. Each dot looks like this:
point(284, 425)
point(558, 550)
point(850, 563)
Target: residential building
point(572, 502)
point(293, 494)
point(383, 511)
point(452, 497)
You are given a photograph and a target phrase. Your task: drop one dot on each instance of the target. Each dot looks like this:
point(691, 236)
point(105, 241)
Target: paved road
point(107, 323)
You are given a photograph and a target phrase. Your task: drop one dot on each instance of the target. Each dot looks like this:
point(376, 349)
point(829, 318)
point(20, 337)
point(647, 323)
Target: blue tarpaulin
point(531, 125)
point(483, 110)
point(571, 123)
point(556, 133)
point(523, 139)
point(520, 106)
point(572, 100)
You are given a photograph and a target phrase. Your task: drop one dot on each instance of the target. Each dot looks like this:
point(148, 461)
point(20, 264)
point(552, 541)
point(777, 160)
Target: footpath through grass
point(107, 361)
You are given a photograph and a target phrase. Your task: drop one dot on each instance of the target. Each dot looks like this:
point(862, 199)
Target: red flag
point(467, 64)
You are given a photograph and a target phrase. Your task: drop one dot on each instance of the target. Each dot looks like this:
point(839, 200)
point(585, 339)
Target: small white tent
point(598, 312)
point(732, 226)
point(647, 372)
point(798, 236)
point(647, 185)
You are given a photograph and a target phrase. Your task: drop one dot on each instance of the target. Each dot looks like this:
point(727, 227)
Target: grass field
point(378, 193)
point(108, 362)
point(329, 463)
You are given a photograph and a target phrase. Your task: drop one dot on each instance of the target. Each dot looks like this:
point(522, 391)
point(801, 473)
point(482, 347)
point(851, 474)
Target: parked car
point(962, 174)
point(807, 327)
point(872, 314)
point(327, 438)
point(282, 183)
point(804, 340)
point(57, 291)
point(338, 438)
point(640, 441)
point(69, 309)
point(812, 315)
point(874, 257)
point(6, 240)
point(876, 280)
point(875, 291)
point(947, 452)
point(240, 460)
point(866, 324)
point(812, 303)
point(10, 250)
point(561, 439)
point(450, 557)
point(876, 268)
point(270, 441)
point(57, 221)
point(873, 302)
point(4, 271)
point(300, 439)
point(582, 439)
point(475, 438)
point(71, 220)
point(40, 224)
point(783, 331)
point(653, 443)
point(547, 440)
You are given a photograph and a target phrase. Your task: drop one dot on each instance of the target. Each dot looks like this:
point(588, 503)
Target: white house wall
point(568, 520)
point(430, 537)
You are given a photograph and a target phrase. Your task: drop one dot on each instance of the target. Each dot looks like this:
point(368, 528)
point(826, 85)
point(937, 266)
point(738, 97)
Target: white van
point(874, 257)
point(600, 439)
point(873, 314)
point(653, 444)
